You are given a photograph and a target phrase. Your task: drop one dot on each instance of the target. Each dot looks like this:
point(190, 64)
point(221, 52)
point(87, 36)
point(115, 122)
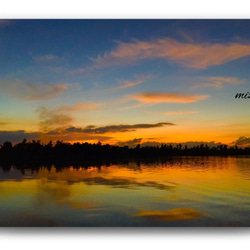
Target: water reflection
point(183, 191)
point(177, 214)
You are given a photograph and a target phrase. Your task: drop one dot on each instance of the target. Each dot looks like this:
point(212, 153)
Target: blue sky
point(56, 75)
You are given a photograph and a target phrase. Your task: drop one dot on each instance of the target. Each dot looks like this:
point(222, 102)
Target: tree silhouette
point(65, 153)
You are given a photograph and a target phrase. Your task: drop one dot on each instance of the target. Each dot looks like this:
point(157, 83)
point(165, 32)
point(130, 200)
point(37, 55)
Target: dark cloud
point(123, 128)
point(130, 143)
point(73, 129)
point(197, 143)
point(71, 135)
point(91, 129)
point(133, 143)
point(242, 141)
point(16, 136)
point(52, 133)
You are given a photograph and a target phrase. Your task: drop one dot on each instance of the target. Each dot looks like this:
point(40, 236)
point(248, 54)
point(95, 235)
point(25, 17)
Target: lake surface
point(184, 191)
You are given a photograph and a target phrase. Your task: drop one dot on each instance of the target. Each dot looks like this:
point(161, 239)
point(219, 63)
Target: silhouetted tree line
point(64, 153)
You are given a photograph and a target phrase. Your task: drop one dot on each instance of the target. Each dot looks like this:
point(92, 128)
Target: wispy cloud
point(44, 58)
point(126, 84)
point(217, 82)
point(79, 107)
point(61, 117)
point(50, 119)
point(180, 112)
point(134, 106)
point(199, 56)
point(159, 97)
point(116, 128)
point(123, 84)
point(31, 92)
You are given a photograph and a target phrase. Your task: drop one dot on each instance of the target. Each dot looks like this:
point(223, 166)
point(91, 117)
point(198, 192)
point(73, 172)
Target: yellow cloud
point(79, 107)
point(158, 97)
point(180, 112)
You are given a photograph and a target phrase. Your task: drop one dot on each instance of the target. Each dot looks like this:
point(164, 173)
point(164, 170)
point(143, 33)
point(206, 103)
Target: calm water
point(186, 191)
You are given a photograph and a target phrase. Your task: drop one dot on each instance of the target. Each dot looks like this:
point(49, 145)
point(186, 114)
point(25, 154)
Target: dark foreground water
point(186, 191)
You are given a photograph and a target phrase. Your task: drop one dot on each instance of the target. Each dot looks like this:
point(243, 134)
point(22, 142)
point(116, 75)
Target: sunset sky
point(125, 82)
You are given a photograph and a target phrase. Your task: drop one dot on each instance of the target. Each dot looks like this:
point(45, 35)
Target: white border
point(125, 9)
point(126, 238)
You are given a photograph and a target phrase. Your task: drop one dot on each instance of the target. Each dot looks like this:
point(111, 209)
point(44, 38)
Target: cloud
point(218, 82)
point(180, 112)
point(45, 58)
point(123, 128)
point(159, 97)
point(128, 84)
point(133, 106)
point(79, 107)
point(116, 128)
point(16, 136)
point(31, 92)
point(73, 135)
point(131, 143)
point(51, 118)
point(74, 129)
point(52, 133)
point(193, 55)
point(61, 117)
point(242, 141)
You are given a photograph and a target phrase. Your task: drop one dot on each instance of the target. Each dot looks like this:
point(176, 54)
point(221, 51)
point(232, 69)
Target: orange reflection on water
point(198, 175)
point(180, 189)
point(172, 215)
